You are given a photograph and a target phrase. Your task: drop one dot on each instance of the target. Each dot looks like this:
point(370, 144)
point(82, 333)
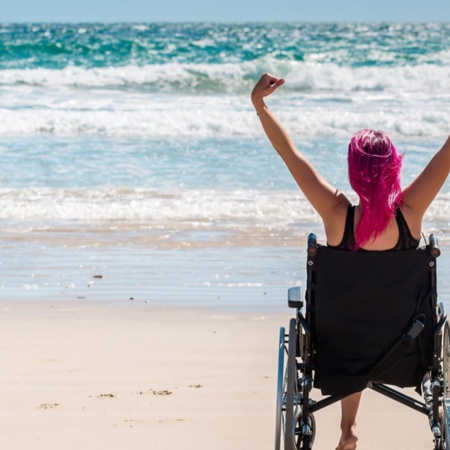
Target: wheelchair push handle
point(434, 246)
point(312, 244)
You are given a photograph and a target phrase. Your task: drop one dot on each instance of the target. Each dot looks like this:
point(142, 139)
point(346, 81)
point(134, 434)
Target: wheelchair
point(368, 320)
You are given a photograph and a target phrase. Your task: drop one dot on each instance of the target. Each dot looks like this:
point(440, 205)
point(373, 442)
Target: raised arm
point(421, 192)
point(323, 197)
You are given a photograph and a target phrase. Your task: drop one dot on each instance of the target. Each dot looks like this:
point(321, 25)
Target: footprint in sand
point(165, 392)
point(47, 405)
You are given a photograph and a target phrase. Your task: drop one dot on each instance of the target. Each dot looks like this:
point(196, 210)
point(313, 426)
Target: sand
point(79, 375)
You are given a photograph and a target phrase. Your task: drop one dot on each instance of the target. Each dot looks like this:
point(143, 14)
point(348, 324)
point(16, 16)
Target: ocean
point(135, 169)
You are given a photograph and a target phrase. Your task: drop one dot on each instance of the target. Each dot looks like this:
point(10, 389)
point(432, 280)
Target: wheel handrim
point(291, 388)
point(280, 385)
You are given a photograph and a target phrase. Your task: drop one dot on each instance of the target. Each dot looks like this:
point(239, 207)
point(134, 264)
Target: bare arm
point(323, 197)
point(421, 192)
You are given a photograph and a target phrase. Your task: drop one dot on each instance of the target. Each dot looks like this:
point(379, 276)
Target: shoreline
point(226, 278)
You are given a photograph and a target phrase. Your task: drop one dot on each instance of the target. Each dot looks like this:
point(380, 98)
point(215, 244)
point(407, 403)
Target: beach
point(90, 376)
point(149, 232)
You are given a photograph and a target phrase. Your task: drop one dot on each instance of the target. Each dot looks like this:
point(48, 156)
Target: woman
point(386, 216)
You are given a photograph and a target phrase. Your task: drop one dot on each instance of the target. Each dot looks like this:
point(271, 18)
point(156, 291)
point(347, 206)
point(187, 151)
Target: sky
point(224, 10)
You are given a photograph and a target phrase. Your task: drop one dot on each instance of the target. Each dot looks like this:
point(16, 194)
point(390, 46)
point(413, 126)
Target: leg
point(349, 407)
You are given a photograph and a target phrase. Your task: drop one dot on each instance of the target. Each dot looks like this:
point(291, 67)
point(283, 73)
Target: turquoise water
point(133, 149)
point(56, 46)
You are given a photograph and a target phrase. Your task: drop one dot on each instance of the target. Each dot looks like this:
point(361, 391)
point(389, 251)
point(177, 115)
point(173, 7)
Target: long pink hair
point(374, 172)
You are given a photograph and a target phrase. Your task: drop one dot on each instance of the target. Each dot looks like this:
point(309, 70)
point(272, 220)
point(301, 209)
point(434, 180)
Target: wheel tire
point(291, 388)
point(280, 382)
point(306, 442)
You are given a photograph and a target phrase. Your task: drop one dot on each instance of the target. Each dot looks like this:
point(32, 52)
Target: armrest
point(295, 297)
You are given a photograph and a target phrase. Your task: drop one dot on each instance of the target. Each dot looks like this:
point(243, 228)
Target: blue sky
point(224, 10)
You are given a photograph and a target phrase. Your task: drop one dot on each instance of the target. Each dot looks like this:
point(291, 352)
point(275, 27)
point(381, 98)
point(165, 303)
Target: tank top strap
point(405, 239)
point(348, 238)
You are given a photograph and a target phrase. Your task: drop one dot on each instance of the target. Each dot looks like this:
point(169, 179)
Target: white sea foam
point(225, 116)
point(239, 77)
point(207, 207)
point(235, 210)
point(213, 100)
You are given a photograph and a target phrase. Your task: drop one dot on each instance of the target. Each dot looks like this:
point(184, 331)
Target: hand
point(265, 86)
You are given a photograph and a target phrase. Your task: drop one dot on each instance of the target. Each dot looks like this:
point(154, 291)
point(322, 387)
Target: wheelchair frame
point(295, 424)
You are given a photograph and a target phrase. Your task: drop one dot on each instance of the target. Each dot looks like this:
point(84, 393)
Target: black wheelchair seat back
point(360, 306)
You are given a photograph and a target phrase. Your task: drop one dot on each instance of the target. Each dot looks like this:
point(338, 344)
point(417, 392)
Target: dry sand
point(133, 376)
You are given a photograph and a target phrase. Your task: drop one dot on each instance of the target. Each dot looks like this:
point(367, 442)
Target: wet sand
point(78, 375)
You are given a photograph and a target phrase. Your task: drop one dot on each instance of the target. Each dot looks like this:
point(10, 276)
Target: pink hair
point(374, 172)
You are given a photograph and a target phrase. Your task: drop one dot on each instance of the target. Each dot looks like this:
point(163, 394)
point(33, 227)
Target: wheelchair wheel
point(280, 390)
point(305, 441)
point(298, 433)
point(291, 389)
point(445, 443)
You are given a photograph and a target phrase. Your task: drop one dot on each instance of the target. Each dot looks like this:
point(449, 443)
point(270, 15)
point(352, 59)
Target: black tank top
point(405, 238)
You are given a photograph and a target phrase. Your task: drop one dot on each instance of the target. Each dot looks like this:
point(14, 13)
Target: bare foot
point(348, 442)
